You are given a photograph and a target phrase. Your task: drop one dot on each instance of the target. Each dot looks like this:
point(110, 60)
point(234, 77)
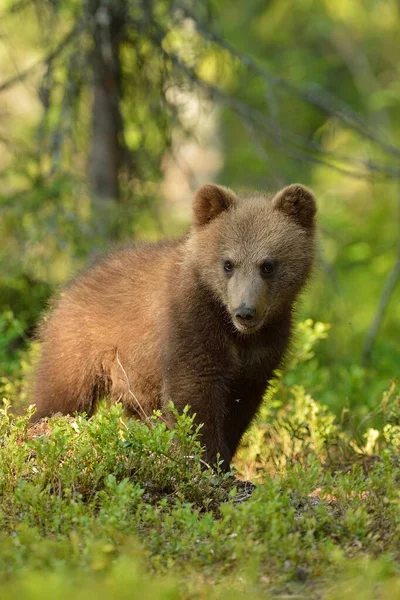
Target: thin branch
point(19, 77)
point(264, 123)
point(308, 149)
point(317, 96)
point(388, 289)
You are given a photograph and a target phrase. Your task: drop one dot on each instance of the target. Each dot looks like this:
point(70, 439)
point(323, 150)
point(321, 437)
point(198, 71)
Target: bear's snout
point(245, 313)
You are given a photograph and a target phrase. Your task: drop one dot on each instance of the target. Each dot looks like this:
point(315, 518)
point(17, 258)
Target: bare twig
point(144, 414)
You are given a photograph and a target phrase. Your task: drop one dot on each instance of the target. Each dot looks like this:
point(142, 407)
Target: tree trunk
point(106, 152)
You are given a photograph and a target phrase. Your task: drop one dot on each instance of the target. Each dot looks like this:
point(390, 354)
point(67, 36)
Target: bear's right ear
point(210, 201)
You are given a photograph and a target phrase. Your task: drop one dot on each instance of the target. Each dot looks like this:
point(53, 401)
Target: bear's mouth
point(251, 327)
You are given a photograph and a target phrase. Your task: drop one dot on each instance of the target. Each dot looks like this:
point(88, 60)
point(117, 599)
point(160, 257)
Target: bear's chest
point(255, 362)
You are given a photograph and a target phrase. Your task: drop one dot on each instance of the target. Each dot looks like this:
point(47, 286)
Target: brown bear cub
point(202, 320)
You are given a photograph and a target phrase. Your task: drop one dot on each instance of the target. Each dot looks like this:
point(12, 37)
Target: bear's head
point(254, 253)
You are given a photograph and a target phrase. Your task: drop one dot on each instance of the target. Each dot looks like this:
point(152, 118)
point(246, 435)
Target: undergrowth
point(114, 508)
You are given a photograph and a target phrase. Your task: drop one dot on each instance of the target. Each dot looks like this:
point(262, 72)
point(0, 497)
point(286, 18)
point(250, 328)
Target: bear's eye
point(228, 266)
point(268, 267)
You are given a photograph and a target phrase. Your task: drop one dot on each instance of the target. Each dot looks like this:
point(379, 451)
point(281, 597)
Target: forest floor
point(112, 508)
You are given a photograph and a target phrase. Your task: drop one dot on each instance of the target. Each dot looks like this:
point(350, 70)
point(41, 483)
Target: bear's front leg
point(205, 390)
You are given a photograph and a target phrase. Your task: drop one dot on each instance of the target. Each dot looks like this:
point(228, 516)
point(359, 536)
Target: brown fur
point(159, 322)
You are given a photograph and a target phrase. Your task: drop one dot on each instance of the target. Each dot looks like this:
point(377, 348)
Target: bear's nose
point(245, 313)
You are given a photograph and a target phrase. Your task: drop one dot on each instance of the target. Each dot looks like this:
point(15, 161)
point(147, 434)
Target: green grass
point(113, 508)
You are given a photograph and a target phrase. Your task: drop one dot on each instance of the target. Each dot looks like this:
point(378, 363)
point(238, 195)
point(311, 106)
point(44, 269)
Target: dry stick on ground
point(144, 415)
point(128, 383)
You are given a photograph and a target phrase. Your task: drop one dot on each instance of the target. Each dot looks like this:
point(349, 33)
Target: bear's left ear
point(210, 201)
point(297, 202)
